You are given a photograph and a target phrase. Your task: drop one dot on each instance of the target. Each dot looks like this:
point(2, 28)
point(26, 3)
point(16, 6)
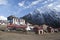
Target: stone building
point(22, 21)
point(15, 20)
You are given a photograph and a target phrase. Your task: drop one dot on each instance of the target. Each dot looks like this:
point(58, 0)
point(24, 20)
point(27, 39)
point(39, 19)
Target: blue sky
point(20, 8)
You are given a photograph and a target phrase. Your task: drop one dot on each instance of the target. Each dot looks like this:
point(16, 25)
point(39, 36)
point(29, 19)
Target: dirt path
point(17, 36)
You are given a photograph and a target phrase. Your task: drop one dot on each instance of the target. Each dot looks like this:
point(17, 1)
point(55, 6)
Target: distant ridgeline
point(49, 17)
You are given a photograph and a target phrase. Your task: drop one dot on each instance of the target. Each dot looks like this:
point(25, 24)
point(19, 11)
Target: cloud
point(50, 0)
point(38, 1)
point(50, 5)
point(57, 8)
point(54, 5)
point(45, 3)
point(34, 3)
point(58, 5)
point(3, 2)
point(21, 3)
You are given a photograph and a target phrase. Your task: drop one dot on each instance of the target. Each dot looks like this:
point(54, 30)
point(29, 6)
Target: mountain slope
point(49, 17)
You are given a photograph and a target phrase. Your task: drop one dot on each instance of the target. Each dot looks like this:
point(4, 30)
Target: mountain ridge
point(49, 17)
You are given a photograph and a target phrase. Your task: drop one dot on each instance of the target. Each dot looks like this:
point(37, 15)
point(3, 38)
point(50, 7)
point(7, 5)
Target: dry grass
point(18, 36)
point(3, 27)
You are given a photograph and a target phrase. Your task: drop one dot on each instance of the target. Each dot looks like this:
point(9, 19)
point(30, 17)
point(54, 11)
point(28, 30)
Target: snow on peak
point(3, 18)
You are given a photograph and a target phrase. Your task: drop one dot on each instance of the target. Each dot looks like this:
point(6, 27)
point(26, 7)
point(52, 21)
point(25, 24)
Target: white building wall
point(16, 21)
point(22, 21)
point(13, 21)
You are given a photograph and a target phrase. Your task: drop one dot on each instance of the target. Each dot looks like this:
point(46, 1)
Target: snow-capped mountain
point(3, 18)
point(48, 16)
